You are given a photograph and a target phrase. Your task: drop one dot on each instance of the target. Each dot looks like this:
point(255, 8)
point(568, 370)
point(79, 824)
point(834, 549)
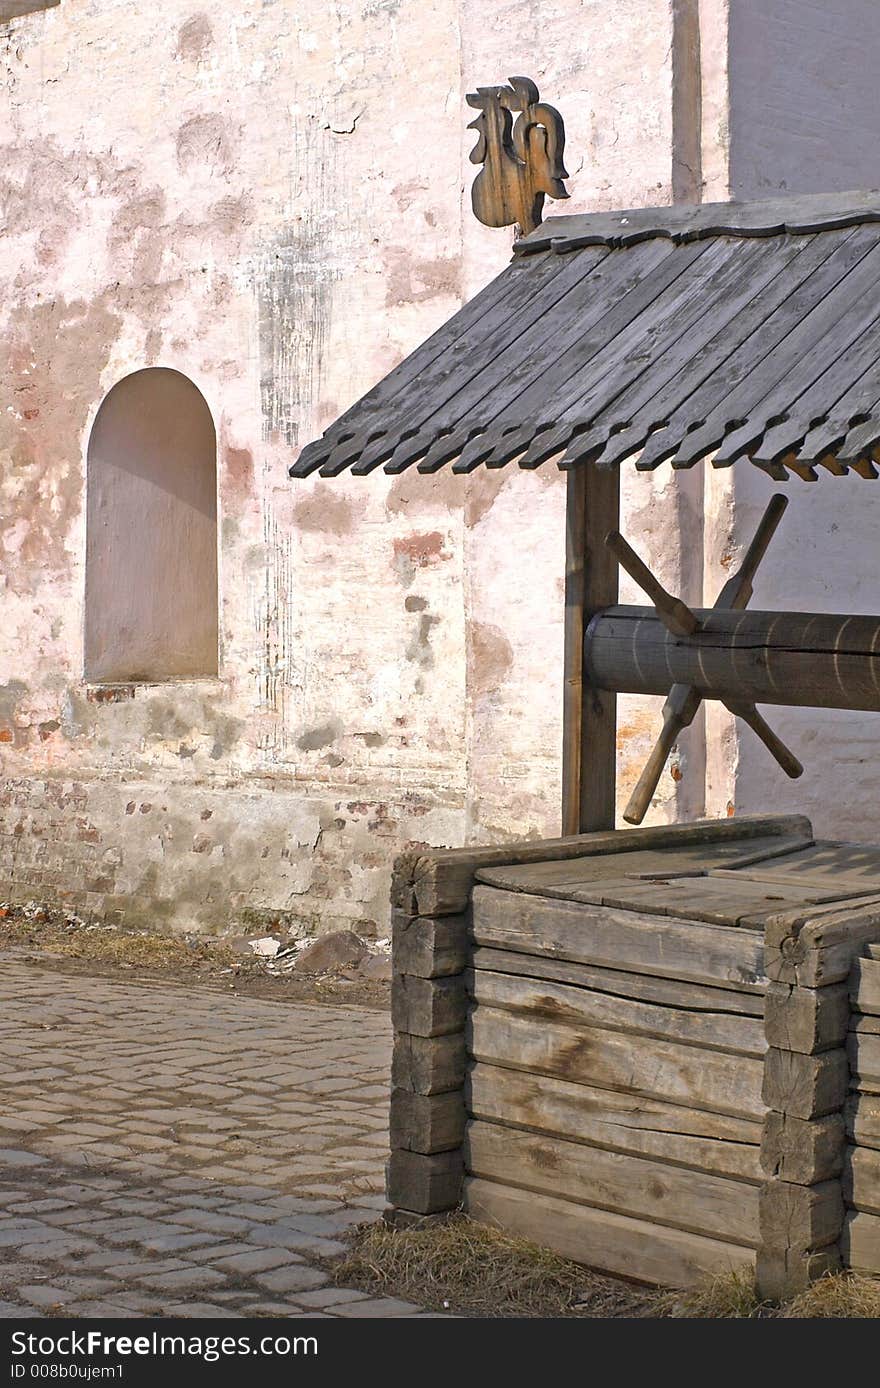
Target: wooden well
point(656, 1050)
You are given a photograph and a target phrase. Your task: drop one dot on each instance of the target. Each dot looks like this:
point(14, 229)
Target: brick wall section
point(198, 858)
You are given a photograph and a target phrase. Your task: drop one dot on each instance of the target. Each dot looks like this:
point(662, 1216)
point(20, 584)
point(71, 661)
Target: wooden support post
point(589, 737)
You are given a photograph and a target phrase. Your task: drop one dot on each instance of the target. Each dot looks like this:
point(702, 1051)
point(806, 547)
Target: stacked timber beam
point(431, 902)
point(615, 1097)
point(861, 1170)
point(429, 913)
point(614, 1045)
point(806, 1078)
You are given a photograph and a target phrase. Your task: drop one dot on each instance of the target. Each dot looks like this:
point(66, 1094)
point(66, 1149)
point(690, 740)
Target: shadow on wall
point(804, 117)
point(151, 533)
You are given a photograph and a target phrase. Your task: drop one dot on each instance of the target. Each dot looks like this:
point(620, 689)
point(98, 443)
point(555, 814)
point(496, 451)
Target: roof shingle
point(748, 330)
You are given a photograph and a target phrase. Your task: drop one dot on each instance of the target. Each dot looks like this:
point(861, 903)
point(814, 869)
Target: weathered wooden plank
point(861, 1178)
point(428, 1064)
point(734, 315)
point(426, 1123)
point(816, 947)
point(439, 883)
point(591, 330)
point(429, 947)
point(862, 1116)
point(736, 901)
point(540, 879)
point(584, 394)
point(814, 272)
point(482, 376)
point(864, 986)
point(800, 1217)
point(865, 1084)
point(663, 1070)
point(807, 212)
point(427, 1006)
point(806, 1019)
point(864, 1057)
point(575, 316)
point(860, 1243)
point(671, 992)
point(590, 934)
point(424, 1184)
point(834, 432)
point(539, 998)
point(813, 385)
point(505, 300)
point(613, 1243)
point(800, 1150)
point(822, 393)
point(690, 1137)
point(805, 1086)
point(817, 886)
point(596, 366)
point(855, 865)
point(864, 1024)
point(693, 1200)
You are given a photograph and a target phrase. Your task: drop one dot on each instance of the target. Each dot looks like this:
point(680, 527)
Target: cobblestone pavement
point(183, 1152)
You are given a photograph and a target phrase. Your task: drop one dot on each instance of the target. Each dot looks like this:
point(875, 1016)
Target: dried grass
point(52, 935)
point(730, 1295)
point(470, 1269)
point(840, 1296)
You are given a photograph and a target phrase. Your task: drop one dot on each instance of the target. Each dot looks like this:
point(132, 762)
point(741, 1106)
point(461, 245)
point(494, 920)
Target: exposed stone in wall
point(174, 856)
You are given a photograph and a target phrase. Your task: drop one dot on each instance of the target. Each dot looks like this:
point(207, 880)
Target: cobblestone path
point(183, 1152)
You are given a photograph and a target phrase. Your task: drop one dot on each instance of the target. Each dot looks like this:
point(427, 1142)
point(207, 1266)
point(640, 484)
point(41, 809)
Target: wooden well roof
point(747, 330)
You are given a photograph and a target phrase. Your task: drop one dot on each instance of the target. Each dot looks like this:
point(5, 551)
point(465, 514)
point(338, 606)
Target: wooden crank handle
point(749, 714)
point(737, 591)
point(678, 713)
point(676, 616)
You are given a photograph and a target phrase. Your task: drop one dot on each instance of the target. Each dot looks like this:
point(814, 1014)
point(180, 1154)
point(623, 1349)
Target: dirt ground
point(104, 951)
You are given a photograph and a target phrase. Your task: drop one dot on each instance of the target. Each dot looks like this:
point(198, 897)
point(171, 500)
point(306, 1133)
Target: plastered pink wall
point(273, 199)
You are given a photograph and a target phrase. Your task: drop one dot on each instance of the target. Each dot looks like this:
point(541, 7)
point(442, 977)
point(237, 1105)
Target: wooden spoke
point(683, 700)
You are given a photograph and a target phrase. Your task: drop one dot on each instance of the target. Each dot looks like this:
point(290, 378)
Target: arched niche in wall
point(151, 533)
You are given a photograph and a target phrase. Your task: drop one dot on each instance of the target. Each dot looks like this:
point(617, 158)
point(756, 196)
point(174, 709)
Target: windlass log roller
point(815, 660)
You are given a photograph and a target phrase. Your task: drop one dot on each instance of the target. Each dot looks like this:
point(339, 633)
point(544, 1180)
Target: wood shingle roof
point(731, 330)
